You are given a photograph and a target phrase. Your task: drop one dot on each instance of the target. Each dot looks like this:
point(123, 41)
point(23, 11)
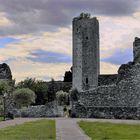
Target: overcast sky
point(36, 35)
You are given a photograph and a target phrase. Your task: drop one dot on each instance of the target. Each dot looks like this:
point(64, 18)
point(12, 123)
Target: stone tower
point(85, 52)
point(136, 50)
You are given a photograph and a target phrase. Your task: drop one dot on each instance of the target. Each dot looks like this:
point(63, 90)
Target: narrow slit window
point(87, 38)
point(86, 80)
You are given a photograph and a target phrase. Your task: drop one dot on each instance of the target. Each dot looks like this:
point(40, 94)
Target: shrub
point(23, 97)
point(5, 86)
point(62, 97)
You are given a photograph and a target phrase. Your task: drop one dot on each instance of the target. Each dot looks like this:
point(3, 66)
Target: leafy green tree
point(45, 91)
point(6, 86)
point(23, 97)
point(38, 86)
point(27, 83)
point(41, 91)
point(62, 97)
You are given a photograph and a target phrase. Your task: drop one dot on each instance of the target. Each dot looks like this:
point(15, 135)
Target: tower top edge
point(137, 41)
point(84, 16)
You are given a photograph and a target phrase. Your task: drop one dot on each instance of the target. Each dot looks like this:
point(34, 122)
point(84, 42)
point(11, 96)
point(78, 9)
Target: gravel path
point(68, 129)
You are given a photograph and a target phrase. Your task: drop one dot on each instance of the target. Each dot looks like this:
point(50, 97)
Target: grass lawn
point(110, 131)
point(38, 130)
point(1, 119)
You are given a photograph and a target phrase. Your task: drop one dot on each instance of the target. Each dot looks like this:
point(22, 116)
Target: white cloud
point(116, 33)
point(23, 68)
point(4, 22)
point(59, 42)
point(107, 68)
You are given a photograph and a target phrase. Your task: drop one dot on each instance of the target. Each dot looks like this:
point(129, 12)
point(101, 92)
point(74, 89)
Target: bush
point(62, 98)
point(23, 97)
point(5, 86)
point(10, 115)
point(52, 89)
point(38, 86)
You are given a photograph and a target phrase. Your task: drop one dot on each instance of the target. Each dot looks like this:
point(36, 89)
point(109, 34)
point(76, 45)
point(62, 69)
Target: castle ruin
point(102, 96)
point(85, 52)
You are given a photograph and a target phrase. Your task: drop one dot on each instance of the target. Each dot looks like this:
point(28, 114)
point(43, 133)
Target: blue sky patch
point(120, 56)
point(7, 40)
point(49, 57)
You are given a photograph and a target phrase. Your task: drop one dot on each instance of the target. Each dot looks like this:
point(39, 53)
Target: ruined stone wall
point(119, 100)
point(9, 104)
point(136, 50)
point(103, 96)
point(106, 112)
point(49, 110)
point(107, 79)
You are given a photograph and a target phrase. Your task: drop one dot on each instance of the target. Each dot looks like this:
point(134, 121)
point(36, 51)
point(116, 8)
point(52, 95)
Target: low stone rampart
point(49, 110)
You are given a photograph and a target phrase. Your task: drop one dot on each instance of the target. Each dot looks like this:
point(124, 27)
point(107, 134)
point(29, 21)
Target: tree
point(68, 76)
point(62, 97)
point(52, 89)
point(41, 91)
point(23, 97)
point(38, 86)
point(6, 86)
point(27, 83)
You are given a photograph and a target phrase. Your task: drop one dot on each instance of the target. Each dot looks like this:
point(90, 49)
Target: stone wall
point(136, 49)
point(118, 100)
point(49, 110)
point(114, 112)
point(9, 104)
point(107, 112)
point(107, 79)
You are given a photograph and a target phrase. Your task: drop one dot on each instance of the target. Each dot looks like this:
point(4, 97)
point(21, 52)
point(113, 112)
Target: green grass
point(110, 131)
point(38, 130)
point(1, 119)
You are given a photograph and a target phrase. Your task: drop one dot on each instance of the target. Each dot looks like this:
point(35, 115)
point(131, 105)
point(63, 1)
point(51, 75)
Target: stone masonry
point(116, 96)
point(136, 50)
point(85, 52)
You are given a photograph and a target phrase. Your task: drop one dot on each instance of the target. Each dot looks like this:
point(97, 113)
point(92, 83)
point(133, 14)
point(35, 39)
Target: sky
point(36, 35)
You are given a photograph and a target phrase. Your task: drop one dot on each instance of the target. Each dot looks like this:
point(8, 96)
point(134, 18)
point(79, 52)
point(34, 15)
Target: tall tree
point(68, 76)
point(41, 91)
point(38, 86)
point(52, 89)
point(27, 83)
